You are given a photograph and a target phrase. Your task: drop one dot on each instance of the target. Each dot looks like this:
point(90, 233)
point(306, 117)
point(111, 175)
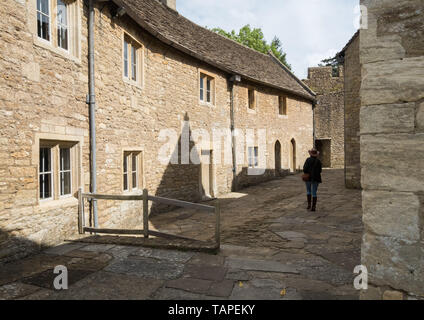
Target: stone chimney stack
point(170, 4)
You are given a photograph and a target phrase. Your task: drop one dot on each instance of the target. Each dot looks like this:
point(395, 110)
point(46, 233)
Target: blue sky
point(310, 30)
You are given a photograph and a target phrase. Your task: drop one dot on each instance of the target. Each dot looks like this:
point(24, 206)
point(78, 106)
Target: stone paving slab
point(147, 267)
point(259, 265)
point(205, 272)
point(160, 254)
point(190, 285)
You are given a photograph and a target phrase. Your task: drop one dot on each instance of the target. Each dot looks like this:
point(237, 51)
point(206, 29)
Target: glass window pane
point(45, 186)
point(134, 63)
point(125, 181)
point(62, 13)
point(201, 88)
point(134, 162)
point(65, 183)
point(126, 59)
point(45, 32)
point(125, 164)
point(65, 159)
point(45, 160)
point(134, 180)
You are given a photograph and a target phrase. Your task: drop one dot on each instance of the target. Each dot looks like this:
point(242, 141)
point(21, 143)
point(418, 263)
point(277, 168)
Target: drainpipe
point(233, 80)
point(92, 103)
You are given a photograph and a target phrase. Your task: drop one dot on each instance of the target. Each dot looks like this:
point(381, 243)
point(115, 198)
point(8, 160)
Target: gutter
point(91, 100)
point(233, 80)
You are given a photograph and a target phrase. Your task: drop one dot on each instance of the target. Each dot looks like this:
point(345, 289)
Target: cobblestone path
point(272, 248)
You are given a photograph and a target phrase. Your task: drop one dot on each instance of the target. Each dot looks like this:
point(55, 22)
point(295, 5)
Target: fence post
point(80, 212)
point(146, 213)
point(218, 224)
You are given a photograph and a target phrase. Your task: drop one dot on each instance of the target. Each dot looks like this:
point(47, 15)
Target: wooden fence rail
point(145, 198)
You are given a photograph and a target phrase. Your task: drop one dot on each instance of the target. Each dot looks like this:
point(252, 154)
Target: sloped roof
point(177, 31)
point(341, 54)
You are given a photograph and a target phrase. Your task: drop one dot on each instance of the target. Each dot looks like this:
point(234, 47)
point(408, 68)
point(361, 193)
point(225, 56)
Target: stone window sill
point(280, 116)
point(48, 46)
point(132, 83)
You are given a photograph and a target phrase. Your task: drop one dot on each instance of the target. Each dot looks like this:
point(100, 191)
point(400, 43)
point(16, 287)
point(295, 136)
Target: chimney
point(170, 4)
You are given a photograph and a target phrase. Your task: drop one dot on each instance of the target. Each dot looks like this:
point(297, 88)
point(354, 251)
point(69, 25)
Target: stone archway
point(277, 153)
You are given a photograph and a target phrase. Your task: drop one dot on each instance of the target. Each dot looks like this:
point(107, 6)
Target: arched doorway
point(277, 158)
point(293, 155)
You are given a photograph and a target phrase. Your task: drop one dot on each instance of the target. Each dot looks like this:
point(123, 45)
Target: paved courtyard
point(272, 248)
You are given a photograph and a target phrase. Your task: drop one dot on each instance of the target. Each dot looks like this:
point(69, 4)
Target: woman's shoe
point(309, 202)
point(314, 204)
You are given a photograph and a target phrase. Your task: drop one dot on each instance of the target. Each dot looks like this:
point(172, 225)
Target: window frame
point(49, 6)
point(68, 26)
point(127, 60)
point(250, 103)
point(74, 161)
point(203, 79)
point(129, 156)
point(51, 172)
point(60, 171)
point(253, 157)
point(282, 105)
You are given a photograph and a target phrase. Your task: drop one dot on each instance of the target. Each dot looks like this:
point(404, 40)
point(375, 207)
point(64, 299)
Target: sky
point(310, 30)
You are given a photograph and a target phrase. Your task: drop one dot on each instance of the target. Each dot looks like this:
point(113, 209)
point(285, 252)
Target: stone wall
point(392, 144)
point(43, 97)
point(328, 117)
point(352, 102)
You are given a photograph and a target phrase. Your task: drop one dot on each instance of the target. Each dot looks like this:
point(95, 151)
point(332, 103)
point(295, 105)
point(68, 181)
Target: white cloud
point(310, 30)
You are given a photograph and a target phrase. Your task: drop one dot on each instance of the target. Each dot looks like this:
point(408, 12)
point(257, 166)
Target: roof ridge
point(224, 37)
point(304, 85)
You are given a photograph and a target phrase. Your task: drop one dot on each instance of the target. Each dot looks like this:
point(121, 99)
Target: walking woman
point(312, 177)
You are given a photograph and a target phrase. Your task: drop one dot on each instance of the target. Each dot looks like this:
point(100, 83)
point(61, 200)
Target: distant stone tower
point(328, 114)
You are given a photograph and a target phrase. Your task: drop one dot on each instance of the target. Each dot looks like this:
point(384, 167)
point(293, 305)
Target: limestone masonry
point(392, 145)
point(147, 80)
point(328, 114)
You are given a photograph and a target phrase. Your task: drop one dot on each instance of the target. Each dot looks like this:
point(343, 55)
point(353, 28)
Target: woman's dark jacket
point(313, 166)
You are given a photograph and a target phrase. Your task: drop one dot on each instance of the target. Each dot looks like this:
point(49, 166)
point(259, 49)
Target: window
point(46, 174)
point(252, 99)
point(125, 172)
point(282, 105)
point(132, 170)
point(253, 157)
point(206, 88)
point(132, 59)
point(58, 168)
point(65, 171)
point(62, 25)
point(58, 26)
point(43, 19)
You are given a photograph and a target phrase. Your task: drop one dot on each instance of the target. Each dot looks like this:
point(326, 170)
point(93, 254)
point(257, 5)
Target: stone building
point(158, 78)
point(328, 114)
point(392, 145)
point(349, 57)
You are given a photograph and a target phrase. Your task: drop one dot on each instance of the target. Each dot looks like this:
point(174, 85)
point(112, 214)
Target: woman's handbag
point(305, 177)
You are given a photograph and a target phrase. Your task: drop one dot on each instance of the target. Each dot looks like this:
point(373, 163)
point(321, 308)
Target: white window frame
point(139, 49)
point(58, 24)
point(134, 156)
point(204, 77)
point(65, 171)
point(253, 157)
point(125, 172)
point(51, 172)
point(50, 21)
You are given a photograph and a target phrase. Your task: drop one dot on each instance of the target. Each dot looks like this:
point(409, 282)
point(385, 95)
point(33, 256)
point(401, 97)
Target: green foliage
point(254, 38)
point(333, 62)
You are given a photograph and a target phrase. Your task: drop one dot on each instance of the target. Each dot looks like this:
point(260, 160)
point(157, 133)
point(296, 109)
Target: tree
point(331, 62)
point(254, 38)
